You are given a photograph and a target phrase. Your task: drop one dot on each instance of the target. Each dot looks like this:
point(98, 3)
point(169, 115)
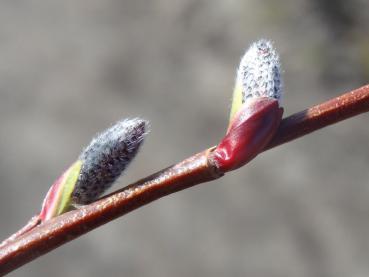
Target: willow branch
point(190, 172)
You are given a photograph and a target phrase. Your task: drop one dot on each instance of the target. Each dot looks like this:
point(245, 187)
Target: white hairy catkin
point(107, 156)
point(259, 73)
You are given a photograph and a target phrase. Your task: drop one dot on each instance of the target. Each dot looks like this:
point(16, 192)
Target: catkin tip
point(259, 72)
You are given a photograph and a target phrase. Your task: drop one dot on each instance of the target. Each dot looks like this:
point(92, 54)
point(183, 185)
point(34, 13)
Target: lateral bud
point(256, 112)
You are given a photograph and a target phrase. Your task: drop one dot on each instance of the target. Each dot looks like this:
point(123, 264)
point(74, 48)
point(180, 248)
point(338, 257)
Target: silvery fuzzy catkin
point(260, 72)
point(107, 156)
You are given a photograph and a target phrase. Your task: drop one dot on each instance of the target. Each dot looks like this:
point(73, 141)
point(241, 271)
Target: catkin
point(107, 156)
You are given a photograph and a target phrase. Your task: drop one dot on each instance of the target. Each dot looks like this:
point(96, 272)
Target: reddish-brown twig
point(192, 171)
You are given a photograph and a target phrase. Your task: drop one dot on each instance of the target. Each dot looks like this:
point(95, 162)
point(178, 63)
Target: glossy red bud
point(250, 131)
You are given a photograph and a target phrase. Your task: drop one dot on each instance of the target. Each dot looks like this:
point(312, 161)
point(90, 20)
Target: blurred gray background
point(69, 69)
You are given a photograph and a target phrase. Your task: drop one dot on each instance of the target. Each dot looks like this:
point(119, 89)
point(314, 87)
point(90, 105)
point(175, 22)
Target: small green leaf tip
point(259, 75)
point(107, 156)
point(58, 198)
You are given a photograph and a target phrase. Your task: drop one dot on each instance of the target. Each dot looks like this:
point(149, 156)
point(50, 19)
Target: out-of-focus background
point(69, 69)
